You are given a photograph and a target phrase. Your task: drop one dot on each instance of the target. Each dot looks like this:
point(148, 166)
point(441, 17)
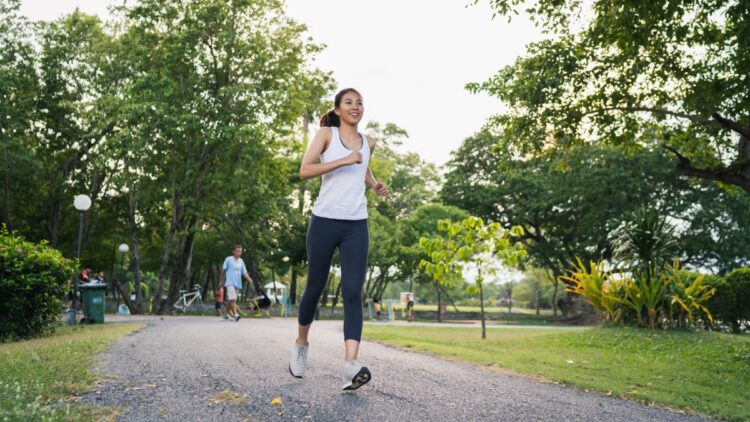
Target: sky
point(409, 59)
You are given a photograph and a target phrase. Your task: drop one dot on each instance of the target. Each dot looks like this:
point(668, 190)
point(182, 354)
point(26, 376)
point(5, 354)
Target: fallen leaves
point(228, 397)
point(276, 401)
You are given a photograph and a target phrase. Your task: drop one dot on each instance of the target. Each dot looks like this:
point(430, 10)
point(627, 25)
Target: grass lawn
point(42, 379)
point(700, 371)
point(461, 308)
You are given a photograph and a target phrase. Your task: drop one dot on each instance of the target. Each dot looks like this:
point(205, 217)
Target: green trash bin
point(92, 297)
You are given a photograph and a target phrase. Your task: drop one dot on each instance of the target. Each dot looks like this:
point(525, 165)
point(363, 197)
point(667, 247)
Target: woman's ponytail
point(330, 119)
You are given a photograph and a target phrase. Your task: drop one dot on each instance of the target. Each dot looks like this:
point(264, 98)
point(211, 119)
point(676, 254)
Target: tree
point(77, 106)
point(18, 91)
point(470, 242)
point(636, 74)
point(210, 84)
point(569, 203)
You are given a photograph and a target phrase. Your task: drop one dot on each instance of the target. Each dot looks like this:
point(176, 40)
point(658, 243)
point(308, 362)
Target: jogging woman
point(339, 220)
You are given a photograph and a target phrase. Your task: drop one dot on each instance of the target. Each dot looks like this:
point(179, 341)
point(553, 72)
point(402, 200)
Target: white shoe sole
point(362, 378)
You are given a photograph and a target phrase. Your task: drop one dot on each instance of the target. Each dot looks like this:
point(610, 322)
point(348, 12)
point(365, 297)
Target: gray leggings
point(324, 235)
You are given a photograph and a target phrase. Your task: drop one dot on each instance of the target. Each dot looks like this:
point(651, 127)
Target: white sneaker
point(354, 376)
point(298, 360)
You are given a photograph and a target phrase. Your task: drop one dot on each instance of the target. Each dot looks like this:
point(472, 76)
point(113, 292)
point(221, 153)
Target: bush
point(33, 280)
point(670, 299)
point(731, 303)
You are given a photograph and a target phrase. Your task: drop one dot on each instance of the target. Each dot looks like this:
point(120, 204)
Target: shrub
point(33, 280)
point(671, 298)
point(598, 287)
point(731, 304)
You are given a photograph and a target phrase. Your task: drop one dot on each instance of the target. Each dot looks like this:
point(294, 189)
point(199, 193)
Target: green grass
point(703, 372)
point(42, 379)
point(487, 309)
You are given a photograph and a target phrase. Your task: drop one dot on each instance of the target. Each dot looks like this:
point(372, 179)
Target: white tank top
point(342, 191)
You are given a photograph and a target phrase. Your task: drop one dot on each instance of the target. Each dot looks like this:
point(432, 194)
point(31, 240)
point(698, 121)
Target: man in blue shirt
point(233, 271)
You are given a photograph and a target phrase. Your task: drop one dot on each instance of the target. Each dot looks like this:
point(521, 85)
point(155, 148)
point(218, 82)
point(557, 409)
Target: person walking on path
point(339, 220)
point(232, 273)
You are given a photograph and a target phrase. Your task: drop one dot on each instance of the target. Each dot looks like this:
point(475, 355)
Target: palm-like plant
point(688, 297)
point(598, 286)
point(647, 245)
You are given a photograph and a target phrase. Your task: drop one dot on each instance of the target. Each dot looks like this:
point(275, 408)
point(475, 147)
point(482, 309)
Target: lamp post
point(82, 203)
point(123, 248)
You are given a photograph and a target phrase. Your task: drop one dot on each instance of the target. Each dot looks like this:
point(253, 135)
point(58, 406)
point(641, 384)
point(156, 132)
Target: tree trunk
point(554, 298)
point(6, 217)
point(336, 298)
point(323, 299)
point(136, 270)
point(510, 296)
point(158, 305)
point(182, 260)
point(207, 283)
point(134, 254)
point(293, 286)
point(252, 268)
point(481, 311)
point(53, 227)
point(126, 298)
point(120, 288)
point(440, 303)
point(369, 288)
point(537, 295)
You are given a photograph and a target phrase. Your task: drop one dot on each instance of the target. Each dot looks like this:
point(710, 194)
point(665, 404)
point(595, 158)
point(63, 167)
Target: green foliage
point(646, 244)
point(731, 304)
point(598, 287)
point(470, 241)
point(669, 298)
point(640, 73)
point(570, 202)
point(33, 280)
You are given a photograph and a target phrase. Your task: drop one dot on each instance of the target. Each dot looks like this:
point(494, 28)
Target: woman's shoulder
point(324, 135)
point(371, 142)
point(326, 131)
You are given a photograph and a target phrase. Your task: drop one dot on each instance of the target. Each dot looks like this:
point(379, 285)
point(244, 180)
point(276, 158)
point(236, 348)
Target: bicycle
point(187, 298)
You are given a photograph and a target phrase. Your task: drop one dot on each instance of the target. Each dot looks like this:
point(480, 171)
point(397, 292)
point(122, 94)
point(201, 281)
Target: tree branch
point(730, 174)
point(731, 125)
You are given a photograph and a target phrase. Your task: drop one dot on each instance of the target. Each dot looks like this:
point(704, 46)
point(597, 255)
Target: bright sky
point(409, 59)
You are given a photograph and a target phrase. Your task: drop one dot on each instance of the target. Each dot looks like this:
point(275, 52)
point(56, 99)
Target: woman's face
point(351, 109)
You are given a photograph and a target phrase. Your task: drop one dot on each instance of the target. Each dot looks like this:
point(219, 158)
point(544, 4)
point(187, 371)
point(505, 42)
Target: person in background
point(410, 307)
point(219, 297)
point(233, 271)
point(99, 279)
point(376, 305)
point(86, 276)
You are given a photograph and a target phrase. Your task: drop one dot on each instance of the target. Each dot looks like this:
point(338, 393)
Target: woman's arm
point(311, 168)
point(380, 189)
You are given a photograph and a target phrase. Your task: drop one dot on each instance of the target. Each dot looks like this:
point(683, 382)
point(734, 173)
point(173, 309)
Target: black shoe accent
point(290, 371)
point(362, 378)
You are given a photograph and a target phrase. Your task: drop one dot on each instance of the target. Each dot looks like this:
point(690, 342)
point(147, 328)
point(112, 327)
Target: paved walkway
point(176, 368)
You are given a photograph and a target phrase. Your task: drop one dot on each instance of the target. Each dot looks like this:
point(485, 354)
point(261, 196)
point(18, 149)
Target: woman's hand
point(381, 190)
point(354, 158)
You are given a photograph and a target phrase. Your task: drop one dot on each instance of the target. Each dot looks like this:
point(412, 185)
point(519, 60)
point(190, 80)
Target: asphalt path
point(208, 369)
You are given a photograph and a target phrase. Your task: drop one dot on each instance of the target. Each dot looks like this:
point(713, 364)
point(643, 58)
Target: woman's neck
point(348, 131)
